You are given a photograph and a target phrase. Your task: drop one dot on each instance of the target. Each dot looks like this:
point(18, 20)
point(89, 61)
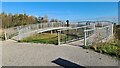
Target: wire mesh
point(101, 34)
point(73, 33)
point(10, 32)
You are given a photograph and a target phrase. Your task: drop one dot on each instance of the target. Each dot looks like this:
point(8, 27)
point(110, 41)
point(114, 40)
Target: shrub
point(112, 48)
point(107, 48)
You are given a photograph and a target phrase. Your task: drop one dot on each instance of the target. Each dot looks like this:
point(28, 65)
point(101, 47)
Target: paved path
point(33, 54)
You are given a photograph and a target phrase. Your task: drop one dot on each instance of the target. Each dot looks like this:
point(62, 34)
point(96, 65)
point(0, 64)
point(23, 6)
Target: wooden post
point(59, 32)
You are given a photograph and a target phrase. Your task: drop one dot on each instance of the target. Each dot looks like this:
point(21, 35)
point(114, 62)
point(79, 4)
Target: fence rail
point(76, 31)
point(10, 32)
point(90, 34)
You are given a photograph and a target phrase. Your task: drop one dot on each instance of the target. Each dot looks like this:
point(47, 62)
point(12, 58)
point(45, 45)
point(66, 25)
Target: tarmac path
point(33, 54)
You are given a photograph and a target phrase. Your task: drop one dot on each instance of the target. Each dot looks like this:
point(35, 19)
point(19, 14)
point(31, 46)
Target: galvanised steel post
point(85, 37)
point(51, 32)
point(41, 25)
point(76, 31)
point(18, 30)
point(94, 27)
point(59, 32)
point(52, 24)
point(5, 34)
point(112, 29)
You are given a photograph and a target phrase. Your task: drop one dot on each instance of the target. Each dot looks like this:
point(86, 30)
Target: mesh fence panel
point(10, 32)
point(73, 33)
point(101, 34)
point(93, 34)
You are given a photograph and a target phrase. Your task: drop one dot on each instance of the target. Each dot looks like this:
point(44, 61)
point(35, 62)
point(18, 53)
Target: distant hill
point(112, 19)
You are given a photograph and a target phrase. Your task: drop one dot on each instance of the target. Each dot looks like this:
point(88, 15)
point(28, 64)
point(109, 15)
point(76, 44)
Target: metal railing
point(75, 31)
point(89, 34)
point(14, 31)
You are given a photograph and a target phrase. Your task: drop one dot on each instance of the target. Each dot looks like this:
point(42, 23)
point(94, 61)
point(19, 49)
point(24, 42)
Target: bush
point(107, 48)
point(112, 48)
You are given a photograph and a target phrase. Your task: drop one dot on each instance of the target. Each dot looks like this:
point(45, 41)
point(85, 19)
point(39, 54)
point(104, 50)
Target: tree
point(40, 19)
point(5, 23)
point(9, 20)
point(43, 19)
point(53, 20)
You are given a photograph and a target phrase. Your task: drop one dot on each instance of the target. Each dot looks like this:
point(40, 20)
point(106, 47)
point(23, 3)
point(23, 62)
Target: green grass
point(48, 38)
point(42, 38)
